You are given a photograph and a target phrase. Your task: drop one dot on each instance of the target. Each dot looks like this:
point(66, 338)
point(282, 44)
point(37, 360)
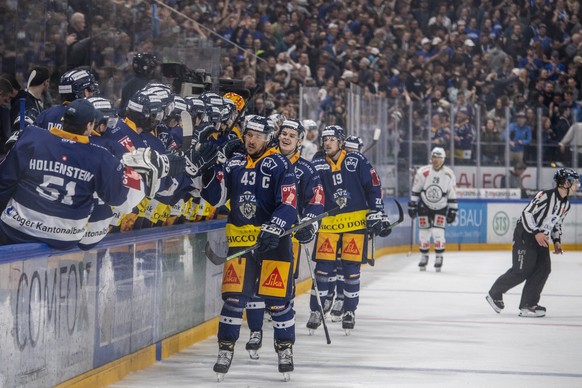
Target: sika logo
point(274, 280)
point(325, 247)
point(500, 223)
point(352, 248)
point(230, 276)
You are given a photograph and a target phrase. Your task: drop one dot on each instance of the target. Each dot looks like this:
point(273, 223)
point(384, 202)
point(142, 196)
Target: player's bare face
point(288, 141)
point(255, 143)
point(437, 163)
point(331, 145)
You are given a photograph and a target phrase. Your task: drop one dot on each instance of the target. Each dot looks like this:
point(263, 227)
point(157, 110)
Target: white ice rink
point(421, 329)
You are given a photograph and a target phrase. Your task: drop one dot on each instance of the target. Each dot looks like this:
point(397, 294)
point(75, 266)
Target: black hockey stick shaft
point(218, 260)
point(319, 304)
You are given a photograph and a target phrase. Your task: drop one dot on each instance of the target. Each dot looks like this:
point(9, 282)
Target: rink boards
point(88, 318)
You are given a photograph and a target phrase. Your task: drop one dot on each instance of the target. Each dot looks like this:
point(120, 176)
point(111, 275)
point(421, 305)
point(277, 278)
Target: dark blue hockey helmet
point(354, 143)
point(196, 107)
point(260, 124)
point(105, 107)
point(73, 84)
point(294, 124)
point(145, 109)
point(335, 131)
point(179, 105)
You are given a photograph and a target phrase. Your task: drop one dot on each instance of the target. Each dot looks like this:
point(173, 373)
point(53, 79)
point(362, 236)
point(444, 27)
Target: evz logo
point(341, 197)
point(351, 163)
point(248, 204)
point(267, 165)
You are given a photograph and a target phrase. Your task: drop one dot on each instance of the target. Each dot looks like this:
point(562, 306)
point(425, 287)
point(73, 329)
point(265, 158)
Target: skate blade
point(254, 354)
point(347, 332)
point(437, 270)
point(311, 331)
point(220, 377)
point(423, 268)
point(286, 376)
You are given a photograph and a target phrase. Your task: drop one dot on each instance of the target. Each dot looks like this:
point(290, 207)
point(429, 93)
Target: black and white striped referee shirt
point(545, 213)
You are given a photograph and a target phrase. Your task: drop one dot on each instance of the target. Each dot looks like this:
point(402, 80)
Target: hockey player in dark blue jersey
point(74, 84)
point(351, 183)
point(310, 201)
point(262, 190)
point(49, 179)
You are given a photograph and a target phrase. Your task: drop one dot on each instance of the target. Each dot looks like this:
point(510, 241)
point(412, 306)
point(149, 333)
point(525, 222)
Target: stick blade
point(187, 130)
point(212, 256)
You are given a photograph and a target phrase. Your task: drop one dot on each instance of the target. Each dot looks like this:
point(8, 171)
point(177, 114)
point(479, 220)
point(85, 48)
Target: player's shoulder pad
point(278, 159)
point(448, 171)
point(236, 160)
point(305, 164)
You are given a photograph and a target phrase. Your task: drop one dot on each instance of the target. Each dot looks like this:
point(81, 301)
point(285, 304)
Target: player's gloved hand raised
point(451, 215)
point(233, 145)
point(202, 159)
point(307, 234)
point(374, 222)
point(202, 132)
point(412, 209)
point(150, 164)
point(386, 230)
point(268, 238)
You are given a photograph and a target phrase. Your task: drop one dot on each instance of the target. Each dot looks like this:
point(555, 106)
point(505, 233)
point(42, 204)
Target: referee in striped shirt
point(540, 220)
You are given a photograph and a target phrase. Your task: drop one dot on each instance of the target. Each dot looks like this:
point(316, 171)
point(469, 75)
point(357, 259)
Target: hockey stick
point(400, 215)
point(376, 136)
point(23, 99)
point(187, 130)
point(372, 260)
point(319, 305)
point(218, 260)
point(412, 222)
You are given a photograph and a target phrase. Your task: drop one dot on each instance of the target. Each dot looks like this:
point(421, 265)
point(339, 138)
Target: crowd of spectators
point(450, 55)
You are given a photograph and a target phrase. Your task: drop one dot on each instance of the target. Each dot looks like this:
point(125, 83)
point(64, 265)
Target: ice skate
point(254, 344)
point(423, 262)
point(533, 312)
point(285, 354)
point(327, 303)
point(314, 321)
point(438, 263)
point(225, 353)
point(348, 321)
point(496, 304)
point(337, 310)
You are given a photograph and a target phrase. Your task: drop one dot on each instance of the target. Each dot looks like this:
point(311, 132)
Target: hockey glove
point(202, 132)
point(233, 145)
point(412, 209)
point(374, 222)
point(268, 238)
point(451, 215)
point(386, 230)
point(199, 161)
point(150, 165)
point(307, 234)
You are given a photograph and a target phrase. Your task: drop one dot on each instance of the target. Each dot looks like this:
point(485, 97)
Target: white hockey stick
point(376, 136)
point(23, 99)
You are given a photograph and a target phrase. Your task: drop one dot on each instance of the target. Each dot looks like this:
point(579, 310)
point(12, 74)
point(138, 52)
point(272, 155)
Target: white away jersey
point(436, 189)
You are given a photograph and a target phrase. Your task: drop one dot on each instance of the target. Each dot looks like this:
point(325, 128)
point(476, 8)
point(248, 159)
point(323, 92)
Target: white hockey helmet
point(438, 152)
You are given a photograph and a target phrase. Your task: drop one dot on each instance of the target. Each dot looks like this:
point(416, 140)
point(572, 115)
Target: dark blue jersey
point(262, 191)
point(51, 117)
point(48, 184)
point(351, 183)
point(310, 193)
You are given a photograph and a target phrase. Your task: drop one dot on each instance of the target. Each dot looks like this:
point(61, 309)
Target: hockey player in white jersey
point(434, 200)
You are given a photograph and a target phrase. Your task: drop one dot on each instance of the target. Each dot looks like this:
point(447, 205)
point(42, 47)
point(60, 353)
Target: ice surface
point(414, 328)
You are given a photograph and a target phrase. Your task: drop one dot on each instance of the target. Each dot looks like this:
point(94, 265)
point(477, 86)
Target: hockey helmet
point(260, 124)
point(179, 105)
point(309, 125)
point(354, 143)
point(239, 102)
point(145, 64)
point(73, 84)
point(196, 107)
point(105, 107)
point(277, 120)
point(335, 131)
point(296, 125)
point(438, 152)
point(145, 109)
point(565, 174)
